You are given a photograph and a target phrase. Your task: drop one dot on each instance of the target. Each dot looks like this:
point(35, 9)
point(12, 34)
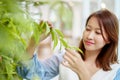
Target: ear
point(108, 41)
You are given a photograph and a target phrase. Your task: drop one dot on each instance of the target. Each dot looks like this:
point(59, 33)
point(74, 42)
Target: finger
point(69, 55)
point(65, 63)
point(74, 53)
point(68, 59)
point(75, 59)
point(72, 60)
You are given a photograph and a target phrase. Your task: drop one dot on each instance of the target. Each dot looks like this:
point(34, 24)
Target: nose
point(90, 35)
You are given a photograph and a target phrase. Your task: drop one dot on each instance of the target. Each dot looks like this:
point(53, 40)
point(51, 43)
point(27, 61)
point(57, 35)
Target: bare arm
point(31, 47)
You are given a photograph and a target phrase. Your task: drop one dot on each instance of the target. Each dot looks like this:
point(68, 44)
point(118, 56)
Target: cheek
point(84, 34)
point(100, 41)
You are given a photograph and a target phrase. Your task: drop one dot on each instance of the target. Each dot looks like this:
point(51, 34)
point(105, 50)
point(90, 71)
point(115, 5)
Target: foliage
point(57, 35)
point(16, 29)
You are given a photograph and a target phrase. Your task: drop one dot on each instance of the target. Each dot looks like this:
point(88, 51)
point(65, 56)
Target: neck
point(91, 56)
point(90, 61)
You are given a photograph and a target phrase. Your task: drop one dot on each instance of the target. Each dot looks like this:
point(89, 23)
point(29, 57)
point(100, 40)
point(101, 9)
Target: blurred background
point(67, 15)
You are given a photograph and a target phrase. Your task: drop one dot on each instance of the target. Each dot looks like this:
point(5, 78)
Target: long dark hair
point(108, 54)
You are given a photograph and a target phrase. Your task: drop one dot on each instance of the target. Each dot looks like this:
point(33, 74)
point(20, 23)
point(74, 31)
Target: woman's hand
point(32, 45)
point(74, 61)
point(44, 36)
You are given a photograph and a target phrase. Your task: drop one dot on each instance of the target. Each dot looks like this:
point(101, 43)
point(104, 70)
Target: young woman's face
point(92, 36)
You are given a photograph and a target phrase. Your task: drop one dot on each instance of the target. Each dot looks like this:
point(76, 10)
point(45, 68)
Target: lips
point(89, 43)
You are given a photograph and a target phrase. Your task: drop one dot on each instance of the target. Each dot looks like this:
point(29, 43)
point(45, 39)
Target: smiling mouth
point(89, 43)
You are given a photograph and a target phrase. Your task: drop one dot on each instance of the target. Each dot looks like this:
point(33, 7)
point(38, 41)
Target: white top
point(68, 74)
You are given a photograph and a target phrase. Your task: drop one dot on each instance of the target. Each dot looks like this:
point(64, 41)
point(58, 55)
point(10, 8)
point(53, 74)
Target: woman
point(99, 44)
point(99, 62)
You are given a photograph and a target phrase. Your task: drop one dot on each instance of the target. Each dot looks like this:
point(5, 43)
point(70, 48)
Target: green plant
point(56, 35)
point(16, 29)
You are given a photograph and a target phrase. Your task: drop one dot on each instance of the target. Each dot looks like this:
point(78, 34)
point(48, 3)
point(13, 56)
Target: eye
point(98, 32)
point(88, 29)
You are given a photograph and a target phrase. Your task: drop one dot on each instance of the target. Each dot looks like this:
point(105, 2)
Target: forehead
point(93, 23)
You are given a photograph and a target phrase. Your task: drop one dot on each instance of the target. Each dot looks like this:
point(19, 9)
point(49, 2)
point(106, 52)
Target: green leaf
point(42, 23)
point(77, 49)
point(47, 30)
point(59, 33)
point(54, 38)
point(64, 43)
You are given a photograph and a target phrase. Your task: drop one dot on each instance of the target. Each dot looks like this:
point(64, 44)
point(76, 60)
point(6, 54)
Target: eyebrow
point(95, 28)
